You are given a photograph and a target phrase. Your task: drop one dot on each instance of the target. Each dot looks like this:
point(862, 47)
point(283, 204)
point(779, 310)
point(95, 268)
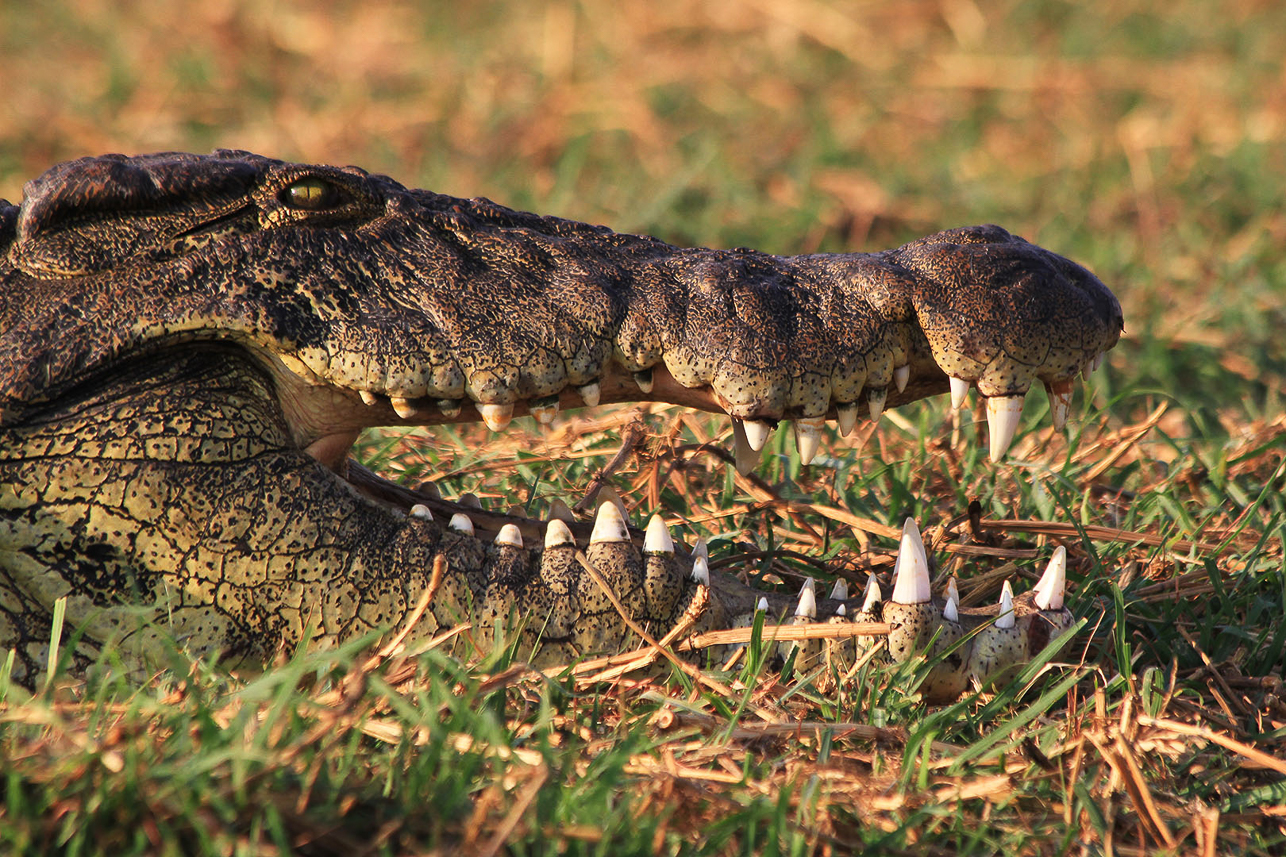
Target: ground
point(1142, 139)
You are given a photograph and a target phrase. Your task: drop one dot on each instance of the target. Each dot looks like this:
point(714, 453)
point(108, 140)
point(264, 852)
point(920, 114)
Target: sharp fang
point(846, 417)
point(591, 393)
point(609, 526)
point(419, 510)
point(875, 399)
point(807, 608)
point(402, 407)
point(469, 499)
point(1060, 402)
point(1049, 591)
point(545, 414)
point(911, 571)
point(558, 534)
point(1003, 414)
point(429, 489)
point(841, 610)
point(808, 437)
point(1006, 618)
point(644, 380)
point(873, 594)
point(762, 606)
point(901, 376)
point(959, 392)
point(450, 408)
point(701, 571)
point(461, 523)
point(1096, 361)
point(743, 454)
point(497, 417)
point(509, 535)
point(701, 549)
point(757, 432)
point(951, 611)
point(368, 397)
point(839, 591)
point(657, 539)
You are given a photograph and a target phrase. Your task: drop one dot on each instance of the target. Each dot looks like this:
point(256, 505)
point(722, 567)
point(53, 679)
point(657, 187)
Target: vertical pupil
point(310, 194)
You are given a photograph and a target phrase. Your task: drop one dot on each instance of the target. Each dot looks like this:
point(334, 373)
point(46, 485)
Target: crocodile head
point(190, 345)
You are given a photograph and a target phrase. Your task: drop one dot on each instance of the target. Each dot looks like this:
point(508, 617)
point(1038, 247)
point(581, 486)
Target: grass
point(1142, 139)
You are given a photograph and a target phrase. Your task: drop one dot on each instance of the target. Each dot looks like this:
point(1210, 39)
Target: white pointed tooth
point(951, 611)
point(1049, 591)
point(1060, 402)
point(429, 489)
point(959, 391)
point(846, 417)
point(1006, 618)
point(609, 526)
point(469, 499)
point(1003, 415)
point(700, 548)
point(807, 608)
point(368, 397)
point(841, 610)
point(875, 398)
point(591, 393)
point(873, 595)
point(701, 570)
point(402, 407)
point(450, 408)
point(509, 535)
point(757, 432)
point(808, 437)
point(558, 534)
point(762, 606)
point(911, 571)
point(606, 493)
point(1096, 361)
point(839, 591)
point(419, 510)
point(497, 417)
point(902, 375)
point(644, 380)
point(657, 538)
point(743, 454)
point(545, 414)
point(559, 509)
point(461, 523)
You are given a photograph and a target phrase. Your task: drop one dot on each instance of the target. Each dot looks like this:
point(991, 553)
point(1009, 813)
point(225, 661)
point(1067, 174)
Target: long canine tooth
point(743, 454)
point(762, 605)
point(461, 523)
point(644, 379)
point(509, 535)
point(368, 397)
point(808, 437)
point(959, 391)
point(591, 393)
point(419, 510)
point(609, 526)
point(1060, 402)
point(497, 417)
point(846, 417)
point(700, 548)
point(807, 608)
point(901, 375)
point(841, 610)
point(701, 570)
point(559, 509)
point(951, 610)
point(875, 399)
point(402, 407)
point(1049, 591)
point(911, 571)
point(873, 595)
point(757, 432)
point(558, 534)
point(839, 591)
point(1006, 619)
point(1003, 414)
point(657, 539)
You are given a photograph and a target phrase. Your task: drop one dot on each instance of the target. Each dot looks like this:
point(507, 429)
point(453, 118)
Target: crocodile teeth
point(1006, 619)
point(368, 397)
point(1003, 414)
point(461, 523)
point(497, 417)
point(609, 526)
point(846, 417)
point(1096, 361)
point(959, 391)
point(762, 605)
point(876, 399)
point(700, 548)
point(911, 571)
point(545, 410)
point(591, 393)
point(558, 534)
point(807, 608)
point(419, 510)
point(450, 408)
point(1060, 402)
point(701, 570)
point(873, 595)
point(469, 499)
point(657, 539)
point(743, 454)
point(902, 375)
point(839, 592)
point(1049, 591)
point(644, 380)
point(559, 509)
point(402, 407)
point(808, 437)
point(951, 610)
point(509, 535)
point(757, 432)
point(841, 610)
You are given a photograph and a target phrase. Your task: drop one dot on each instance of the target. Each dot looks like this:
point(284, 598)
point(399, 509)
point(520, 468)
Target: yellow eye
point(310, 194)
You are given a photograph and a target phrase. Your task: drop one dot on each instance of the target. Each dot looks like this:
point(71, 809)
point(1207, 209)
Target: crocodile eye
point(310, 194)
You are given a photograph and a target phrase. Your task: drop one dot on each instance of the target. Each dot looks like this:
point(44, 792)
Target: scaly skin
point(189, 346)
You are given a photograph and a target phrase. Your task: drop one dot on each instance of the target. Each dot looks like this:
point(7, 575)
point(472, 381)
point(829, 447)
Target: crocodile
point(191, 344)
